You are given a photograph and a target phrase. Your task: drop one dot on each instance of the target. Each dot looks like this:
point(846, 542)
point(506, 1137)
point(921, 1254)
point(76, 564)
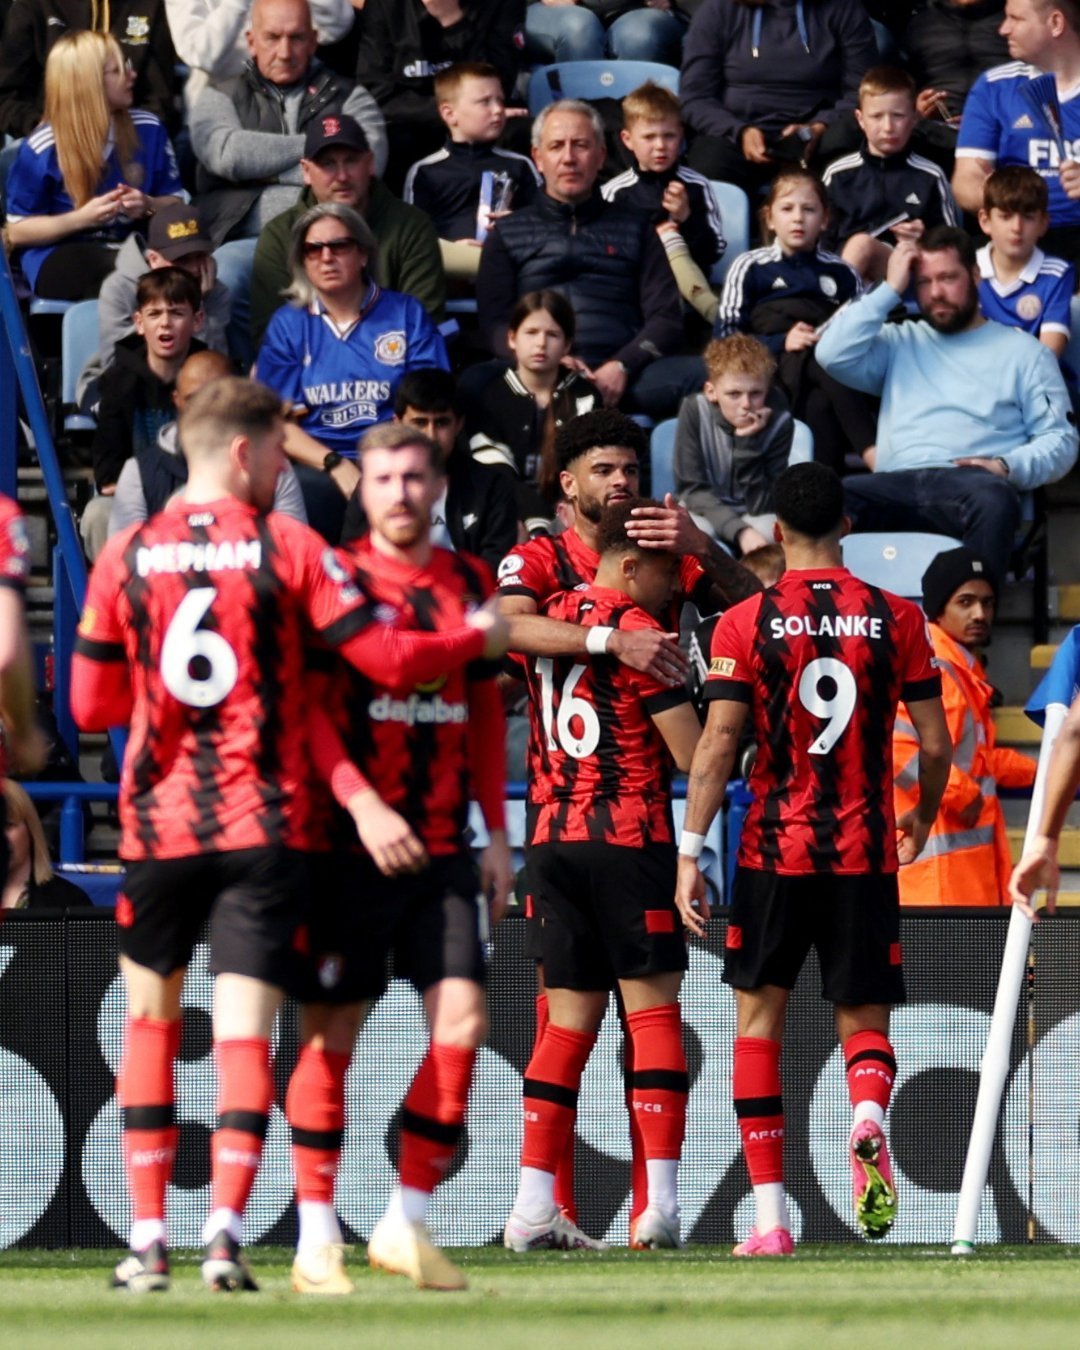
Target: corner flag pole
point(995, 1062)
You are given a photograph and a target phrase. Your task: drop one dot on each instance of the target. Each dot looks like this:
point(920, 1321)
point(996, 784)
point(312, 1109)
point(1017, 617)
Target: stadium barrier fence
point(61, 1182)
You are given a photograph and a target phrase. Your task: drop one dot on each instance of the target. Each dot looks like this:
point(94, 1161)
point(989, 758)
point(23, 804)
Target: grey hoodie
point(116, 304)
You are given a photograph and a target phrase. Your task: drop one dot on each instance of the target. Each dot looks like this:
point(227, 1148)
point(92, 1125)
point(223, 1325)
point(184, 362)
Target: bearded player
point(424, 752)
point(599, 459)
point(601, 857)
point(193, 633)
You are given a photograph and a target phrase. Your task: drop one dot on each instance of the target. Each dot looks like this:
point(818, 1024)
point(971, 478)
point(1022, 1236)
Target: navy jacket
point(772, 64)
point(606, 260)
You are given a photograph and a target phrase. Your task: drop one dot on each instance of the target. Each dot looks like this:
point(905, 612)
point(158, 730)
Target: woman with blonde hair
point(90, 174)
point(31, 882)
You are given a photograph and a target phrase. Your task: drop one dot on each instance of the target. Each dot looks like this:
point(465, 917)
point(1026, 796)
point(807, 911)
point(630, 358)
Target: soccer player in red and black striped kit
point(819, 662)
point(193, 632)
point(599, 458)
point(425, 751)
point(601, 856)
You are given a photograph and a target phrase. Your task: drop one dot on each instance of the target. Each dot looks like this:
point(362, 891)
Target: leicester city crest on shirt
point(390, 348)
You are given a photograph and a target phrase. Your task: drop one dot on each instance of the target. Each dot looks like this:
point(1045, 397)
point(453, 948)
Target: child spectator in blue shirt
point(1020, 285)
point(448, 184)
point(883, 192)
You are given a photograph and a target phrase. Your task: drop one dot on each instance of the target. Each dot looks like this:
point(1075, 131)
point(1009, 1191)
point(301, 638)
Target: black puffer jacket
point(949, 46)
point(606, 260)
point(31, 28)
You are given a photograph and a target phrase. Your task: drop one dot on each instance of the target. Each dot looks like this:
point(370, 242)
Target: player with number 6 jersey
point(601, 863)
point(193, 630)
point(820, 662)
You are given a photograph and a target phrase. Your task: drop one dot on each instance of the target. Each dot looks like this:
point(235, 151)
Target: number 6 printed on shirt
point(185, 642)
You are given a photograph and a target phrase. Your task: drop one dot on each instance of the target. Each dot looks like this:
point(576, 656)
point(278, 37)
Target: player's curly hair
point(809, 499)
point(612, 535)
point(602, 426)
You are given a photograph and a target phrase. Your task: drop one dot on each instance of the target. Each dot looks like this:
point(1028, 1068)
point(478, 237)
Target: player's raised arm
point(101, 694)
point(671, 527)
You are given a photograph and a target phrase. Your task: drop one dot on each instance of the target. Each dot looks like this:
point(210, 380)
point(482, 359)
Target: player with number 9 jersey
point(822, 659)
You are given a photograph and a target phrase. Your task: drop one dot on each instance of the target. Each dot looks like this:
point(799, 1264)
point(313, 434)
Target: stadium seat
point(661, 446)
point(734, 207)
point(895, 562)
point(79, 340)
point(802, 444)
point(39, 307)
point(594, 80)
point(1071, 355)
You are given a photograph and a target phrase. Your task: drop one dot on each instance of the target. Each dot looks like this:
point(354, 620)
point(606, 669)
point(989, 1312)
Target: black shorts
point(606, 913)
point(852, 922)
point(431, 920)
point(253, 897)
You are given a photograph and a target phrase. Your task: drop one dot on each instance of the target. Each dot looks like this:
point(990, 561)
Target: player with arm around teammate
point(819, 662)
point(601, 860)
point(599, 458)
point(193, 633)
point(425, 749)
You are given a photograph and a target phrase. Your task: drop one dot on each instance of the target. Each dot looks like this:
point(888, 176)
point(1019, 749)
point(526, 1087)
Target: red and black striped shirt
point(822, 659)
point(413, 745)
point(599, 770)
point(194, 627)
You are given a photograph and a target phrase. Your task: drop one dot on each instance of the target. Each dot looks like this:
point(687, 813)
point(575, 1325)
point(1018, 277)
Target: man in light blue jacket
point(972, 413)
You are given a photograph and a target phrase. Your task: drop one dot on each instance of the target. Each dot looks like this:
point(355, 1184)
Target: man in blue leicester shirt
point(1003, 125)
point(337, 352)
point(972, 413)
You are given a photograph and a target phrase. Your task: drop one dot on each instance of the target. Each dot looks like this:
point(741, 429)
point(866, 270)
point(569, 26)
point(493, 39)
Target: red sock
point(433, 1115)
point(550, 1094)
point(759, 1107)
point(659, 1081)
point(639, 1176)
point(564, 1168)
point(245, 1095)
point(144, 1089)
point(315, 1110)
point(871, 1068)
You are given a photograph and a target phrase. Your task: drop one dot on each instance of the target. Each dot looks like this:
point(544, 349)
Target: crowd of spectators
point(298, 186)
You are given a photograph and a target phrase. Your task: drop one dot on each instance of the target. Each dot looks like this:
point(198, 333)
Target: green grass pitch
point(845, 1296)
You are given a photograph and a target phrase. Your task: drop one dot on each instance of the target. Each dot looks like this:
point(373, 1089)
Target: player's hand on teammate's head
point(692, 897)
point(497, 875)
point(652, 652)
point(1037, 870)
point(669, 527)
point(494, 627)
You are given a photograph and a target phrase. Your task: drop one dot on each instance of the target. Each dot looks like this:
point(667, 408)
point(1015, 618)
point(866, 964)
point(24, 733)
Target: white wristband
point(597, 639)
point(690, 844)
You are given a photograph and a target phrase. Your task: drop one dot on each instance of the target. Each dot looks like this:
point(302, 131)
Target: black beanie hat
point(947, 573)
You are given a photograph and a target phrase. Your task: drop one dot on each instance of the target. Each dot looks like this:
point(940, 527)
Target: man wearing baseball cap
point(174, 238)
point(338, 166)
point(966, 860)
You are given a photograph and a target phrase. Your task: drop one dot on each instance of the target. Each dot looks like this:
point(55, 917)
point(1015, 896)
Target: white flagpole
point(995, 1062)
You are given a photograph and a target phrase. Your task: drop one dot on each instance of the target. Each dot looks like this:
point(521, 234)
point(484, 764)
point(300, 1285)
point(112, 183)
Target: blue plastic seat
point(734, 207)
point(895, 561)
point(595, 79)
point(80, 338)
